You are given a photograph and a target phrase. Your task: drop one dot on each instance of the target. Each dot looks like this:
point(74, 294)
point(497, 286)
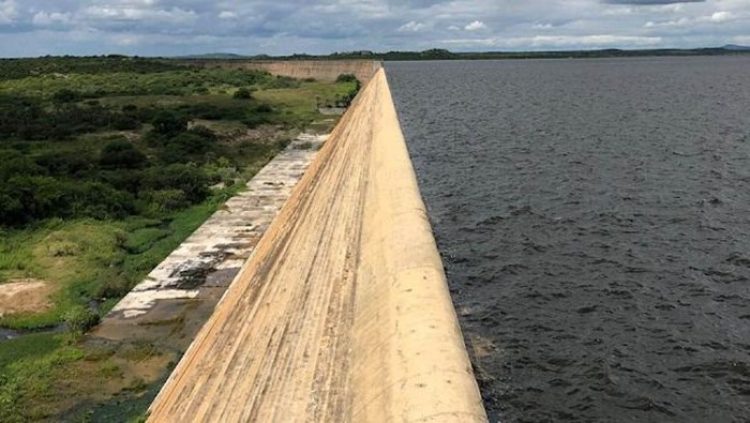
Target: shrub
point(13, 163)
point(125, 122)
point(67, 163)
point(187, 147)
point(169, 123)
point(243, 94)
point(187, 178)
point(347, 77)
point(79, 319)
point(165, 200)
point(129, 180)
point(222, 170)
point(121, 154)
point(26, 198)
point(255, 120)
point(100, 201)
point(66, 96)
point(203, 132)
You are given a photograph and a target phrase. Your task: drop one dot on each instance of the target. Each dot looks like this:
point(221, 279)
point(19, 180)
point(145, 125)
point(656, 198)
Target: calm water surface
point(594, 218)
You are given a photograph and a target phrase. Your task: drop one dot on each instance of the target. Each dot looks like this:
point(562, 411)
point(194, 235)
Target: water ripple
point(594, 219)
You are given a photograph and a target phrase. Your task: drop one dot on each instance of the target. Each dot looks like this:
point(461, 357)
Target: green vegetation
point(442, 54)
point(106, 166)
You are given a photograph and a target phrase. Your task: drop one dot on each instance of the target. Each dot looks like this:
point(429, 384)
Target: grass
point(41, 373)
point(174, 82)
point(30, 366)
point(83, 257)
point(300, 105)
point(47, 375)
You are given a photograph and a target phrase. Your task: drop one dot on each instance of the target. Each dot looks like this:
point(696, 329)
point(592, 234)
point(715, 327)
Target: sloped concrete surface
point(342, 313)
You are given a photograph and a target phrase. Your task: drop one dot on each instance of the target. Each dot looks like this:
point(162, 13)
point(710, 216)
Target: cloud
point(8, 11)
point(411, 26)
point(134, 13)
point(722, 16)
point(475, 26)
point(43, 18)
point(227, 14)
point(555, 41)
point(176, 27)
point(651, 2)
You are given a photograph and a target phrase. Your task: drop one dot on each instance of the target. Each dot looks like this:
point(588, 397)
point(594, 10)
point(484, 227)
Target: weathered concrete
point(342, 313)
point(323, 70)
point(184, 288)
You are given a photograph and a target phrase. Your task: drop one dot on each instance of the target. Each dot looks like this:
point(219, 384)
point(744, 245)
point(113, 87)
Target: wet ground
point(594, 219)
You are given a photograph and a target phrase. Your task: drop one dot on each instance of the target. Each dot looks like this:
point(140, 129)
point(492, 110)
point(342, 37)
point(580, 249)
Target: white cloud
point(294, 26)
point(411, 26)
point(723, 16)
point(8, 11)
point(475, 26)
point(558, 41)
point(542, 26)
point(43, 18)
point(129, 13)
point(689, 22)
point(227, 14)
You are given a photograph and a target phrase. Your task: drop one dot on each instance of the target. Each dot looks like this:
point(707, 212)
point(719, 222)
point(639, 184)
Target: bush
point(68, 163)
point(129, 180)
point(187, 147)
point(165, 200)
point(187, 178)
point(66, 96)
point(27, 198)
point(243, 94)
point(13, 163)
point(121, 154)
point(203, 132)
point(169, 123)
point(255, 120)
point(347, 77)
point(125, 122)
point(113, 288)
point(79, 319)
point(223, 171)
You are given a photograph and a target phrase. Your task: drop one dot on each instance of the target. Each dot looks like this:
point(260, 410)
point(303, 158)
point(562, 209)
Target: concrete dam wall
point(342, 313)
point(324, 70)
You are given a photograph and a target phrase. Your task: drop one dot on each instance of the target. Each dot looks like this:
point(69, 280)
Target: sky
point(180, 27)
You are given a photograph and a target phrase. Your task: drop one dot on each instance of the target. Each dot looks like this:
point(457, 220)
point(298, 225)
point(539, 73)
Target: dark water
point(594, 218)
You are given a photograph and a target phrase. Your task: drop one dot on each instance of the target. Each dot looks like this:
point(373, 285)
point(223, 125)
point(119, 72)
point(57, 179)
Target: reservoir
point(594, 220)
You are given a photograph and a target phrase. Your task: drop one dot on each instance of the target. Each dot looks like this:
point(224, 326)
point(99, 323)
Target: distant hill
point(734, 47)
point(214, 56)
point(442, 54)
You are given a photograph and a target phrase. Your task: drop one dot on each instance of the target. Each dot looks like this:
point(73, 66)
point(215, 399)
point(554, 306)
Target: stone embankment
point(174, 301)
point(342, 313)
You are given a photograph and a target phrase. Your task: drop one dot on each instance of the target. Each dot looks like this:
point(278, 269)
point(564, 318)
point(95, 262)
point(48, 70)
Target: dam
point(342, 311)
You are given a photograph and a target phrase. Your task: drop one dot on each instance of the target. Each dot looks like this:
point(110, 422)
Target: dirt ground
point(24, 296)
